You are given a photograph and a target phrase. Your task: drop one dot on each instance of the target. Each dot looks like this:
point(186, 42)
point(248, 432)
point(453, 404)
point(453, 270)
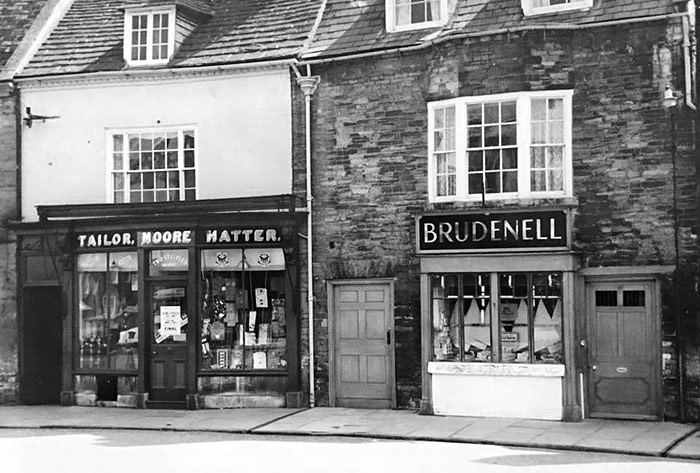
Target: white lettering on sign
point(104, 240)
point(166, 237)
point(258, 235)
point(533, 229)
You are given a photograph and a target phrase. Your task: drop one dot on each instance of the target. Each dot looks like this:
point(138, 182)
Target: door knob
point(153, 353)
point(594, 367)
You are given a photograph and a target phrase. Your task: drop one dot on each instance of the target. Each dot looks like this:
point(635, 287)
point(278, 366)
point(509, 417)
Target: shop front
point(195, 311)
point(497, 293)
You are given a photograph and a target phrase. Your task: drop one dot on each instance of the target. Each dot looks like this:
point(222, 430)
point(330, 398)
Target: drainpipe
point(686, 56)
point(308, 86)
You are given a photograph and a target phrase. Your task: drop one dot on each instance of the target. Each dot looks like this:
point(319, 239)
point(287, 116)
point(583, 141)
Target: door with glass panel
point(168, 319)
point(624, 342)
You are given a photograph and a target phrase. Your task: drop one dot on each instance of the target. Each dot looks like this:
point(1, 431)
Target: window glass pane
point(633, 298)
point(548, 318)
point(168, 262)
point(491, 136)
point(554, 156)
point(606, 298)
point(510, 158)
point(539, 133)
point(555, 132)
point(189, 178)
point(555, 180)
point(475, 184)
point(118, 143)
point(476, 307)
point(556, 109)
point(244, 313)
point(538, 181)
point(509, 135)
point(474, 137)
point(493, 159)
point(510, 181)
point(169, 313)
point(538, 109)
point(118, 181)
point(108, 308)
point(508, 112)
point(514, 318)
point(493, 182)
point(476, 160)
point(491, 113)
point(474, 114)
point(445, 317)
point(118, 162)
point(159, 160)
point(190, 194)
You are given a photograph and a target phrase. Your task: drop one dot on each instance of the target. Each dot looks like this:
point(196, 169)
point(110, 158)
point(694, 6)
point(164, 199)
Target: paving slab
point(689, 447)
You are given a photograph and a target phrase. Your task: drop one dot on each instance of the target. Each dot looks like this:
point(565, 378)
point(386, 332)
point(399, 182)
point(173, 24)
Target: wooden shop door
point(363, 345)
point(623, 380)
point(168, 347)
point(42, 335)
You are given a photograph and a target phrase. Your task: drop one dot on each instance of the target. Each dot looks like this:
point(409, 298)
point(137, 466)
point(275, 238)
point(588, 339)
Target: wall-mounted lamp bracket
point(30, 118)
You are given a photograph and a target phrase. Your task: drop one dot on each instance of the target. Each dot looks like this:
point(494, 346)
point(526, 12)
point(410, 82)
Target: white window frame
point(529, 9)
point(149, 13)
point(391, 26)
point(109, 148)
point(523, 111)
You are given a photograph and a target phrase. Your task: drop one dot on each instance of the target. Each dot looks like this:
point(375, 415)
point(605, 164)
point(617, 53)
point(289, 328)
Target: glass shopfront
point(498, 314)
point(198, 316)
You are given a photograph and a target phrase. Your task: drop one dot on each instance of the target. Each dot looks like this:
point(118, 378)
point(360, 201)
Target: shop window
point(244, 317)
point(153, 166)
point(108, 310)
point(402, 15)
point(502, 146)
point(527, 328)
point(539, 7)
point(149, 36)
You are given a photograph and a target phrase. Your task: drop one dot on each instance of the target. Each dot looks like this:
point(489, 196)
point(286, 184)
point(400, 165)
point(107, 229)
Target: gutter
point(449, 37)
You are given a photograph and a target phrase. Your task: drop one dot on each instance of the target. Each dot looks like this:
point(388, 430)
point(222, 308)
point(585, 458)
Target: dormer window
point(404, 15)
point(540, 7)
point(149, 36)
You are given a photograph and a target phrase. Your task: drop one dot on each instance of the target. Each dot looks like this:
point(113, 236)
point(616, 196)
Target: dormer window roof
point(405, 15)
point(149, 35)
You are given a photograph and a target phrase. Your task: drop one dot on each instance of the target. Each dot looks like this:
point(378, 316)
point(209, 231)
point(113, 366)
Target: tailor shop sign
point(516, 230)
point(183, 237)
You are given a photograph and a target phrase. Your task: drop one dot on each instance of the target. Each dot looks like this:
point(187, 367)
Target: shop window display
point(108, 310)
point(527, 328)
point(243, 305)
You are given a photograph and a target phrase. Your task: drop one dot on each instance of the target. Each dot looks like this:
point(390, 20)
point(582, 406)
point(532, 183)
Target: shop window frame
point(149, 14)
point(494, 298)
point(76, 340)
point(290, 329)
point(450, 143)
point(119, 164)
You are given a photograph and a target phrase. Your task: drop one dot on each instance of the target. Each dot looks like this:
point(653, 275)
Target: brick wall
point(8, 305)
point(370, 168)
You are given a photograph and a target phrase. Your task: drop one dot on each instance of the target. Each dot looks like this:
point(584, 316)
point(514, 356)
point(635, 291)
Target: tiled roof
point(16, 16)
point(352, 26)
point(89, 38)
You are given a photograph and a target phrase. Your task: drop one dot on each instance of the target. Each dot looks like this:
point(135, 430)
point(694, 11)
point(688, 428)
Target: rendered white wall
point(527, 396)
point(243, 123)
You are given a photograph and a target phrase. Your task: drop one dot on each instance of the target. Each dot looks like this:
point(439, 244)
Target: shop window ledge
point(497, 369)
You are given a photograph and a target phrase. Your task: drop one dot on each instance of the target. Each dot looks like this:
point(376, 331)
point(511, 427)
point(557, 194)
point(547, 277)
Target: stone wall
point(8, 275)
point(370, 166)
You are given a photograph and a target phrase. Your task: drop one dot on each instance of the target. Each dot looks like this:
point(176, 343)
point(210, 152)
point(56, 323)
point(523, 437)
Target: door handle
point(594, 367)
point(388, 337)
point(153, 353)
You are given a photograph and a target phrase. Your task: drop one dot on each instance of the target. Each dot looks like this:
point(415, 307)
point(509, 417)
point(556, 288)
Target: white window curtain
point(434, 10)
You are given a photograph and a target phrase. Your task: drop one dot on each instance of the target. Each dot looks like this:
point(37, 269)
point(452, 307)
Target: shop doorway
point(168, 321)
point(624, 334)
point(362, 344)
point(42, 331)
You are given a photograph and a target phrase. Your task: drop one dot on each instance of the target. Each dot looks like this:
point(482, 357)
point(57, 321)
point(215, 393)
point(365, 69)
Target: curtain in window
point(434, 10)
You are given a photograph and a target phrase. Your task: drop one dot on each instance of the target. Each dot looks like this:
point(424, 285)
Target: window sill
point(522, 202)
point(532, 11)
point(497, 369)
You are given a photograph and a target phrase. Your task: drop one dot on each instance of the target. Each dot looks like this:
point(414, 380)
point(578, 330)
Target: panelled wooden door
point(363, 345)
point(168, 351)
point(623, 379)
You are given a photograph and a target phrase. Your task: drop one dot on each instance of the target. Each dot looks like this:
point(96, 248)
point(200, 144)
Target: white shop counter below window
point(531, 391)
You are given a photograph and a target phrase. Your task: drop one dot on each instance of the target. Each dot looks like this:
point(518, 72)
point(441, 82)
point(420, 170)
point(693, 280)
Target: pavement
point(660, 439)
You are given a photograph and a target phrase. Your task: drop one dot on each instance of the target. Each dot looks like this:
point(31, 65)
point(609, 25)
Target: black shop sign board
point(492, 231)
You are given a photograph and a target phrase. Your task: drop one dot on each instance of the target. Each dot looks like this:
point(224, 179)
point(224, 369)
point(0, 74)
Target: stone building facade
point(372, 182)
